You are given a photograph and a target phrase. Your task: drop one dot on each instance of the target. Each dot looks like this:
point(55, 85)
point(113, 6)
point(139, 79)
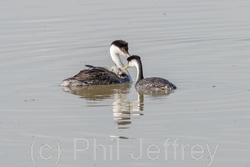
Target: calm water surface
point(201, 46)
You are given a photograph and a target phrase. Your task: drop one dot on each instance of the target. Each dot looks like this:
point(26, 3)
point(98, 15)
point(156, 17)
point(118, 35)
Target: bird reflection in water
point(123, 108)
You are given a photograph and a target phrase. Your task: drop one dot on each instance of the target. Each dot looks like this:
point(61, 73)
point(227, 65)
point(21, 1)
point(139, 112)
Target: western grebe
point(147, 84)
point(102, 75)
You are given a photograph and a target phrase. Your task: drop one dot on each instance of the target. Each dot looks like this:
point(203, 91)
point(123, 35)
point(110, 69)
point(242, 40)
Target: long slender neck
point(117, 60)
point(115, 56)
point(139, 69)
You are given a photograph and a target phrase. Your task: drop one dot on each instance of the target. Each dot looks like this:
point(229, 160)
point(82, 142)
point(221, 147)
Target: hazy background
point(201, 46)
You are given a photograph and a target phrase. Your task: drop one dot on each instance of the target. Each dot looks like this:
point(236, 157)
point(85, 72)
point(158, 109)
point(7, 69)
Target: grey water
point(203, 47)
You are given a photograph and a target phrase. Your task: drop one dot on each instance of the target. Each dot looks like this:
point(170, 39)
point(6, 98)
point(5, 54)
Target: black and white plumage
point(148, 84)
point(102, 75)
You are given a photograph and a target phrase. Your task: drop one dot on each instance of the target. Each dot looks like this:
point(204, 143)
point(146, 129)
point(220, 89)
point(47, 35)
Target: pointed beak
point(126, 54)
point(125, 67)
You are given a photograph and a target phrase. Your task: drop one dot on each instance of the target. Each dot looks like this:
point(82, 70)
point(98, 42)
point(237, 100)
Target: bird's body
point(154, 84)
point(148, 84)
point(95, 76)
point(102, 75)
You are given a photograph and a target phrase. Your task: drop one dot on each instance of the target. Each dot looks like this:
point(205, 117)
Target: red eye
point(123, 49)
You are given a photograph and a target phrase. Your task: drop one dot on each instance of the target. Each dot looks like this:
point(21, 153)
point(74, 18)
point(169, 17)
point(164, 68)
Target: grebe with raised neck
point(147, 84)
point(102, 75)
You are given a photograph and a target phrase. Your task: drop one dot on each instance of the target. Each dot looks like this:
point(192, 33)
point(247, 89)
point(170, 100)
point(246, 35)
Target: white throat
point(115, 56)
point(134, 63)
point(115, 53)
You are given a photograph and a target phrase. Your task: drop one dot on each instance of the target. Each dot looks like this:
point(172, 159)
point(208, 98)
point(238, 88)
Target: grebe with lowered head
point(147, 84)
point(102, 75)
